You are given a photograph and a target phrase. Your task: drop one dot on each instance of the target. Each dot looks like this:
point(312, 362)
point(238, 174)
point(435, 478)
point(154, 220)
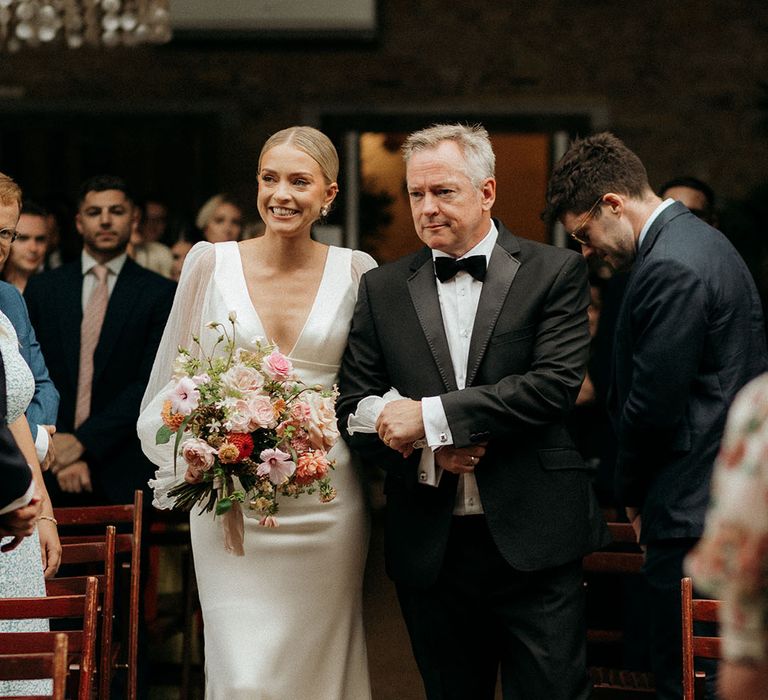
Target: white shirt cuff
point(42, 440)
point(429, 472)
point(436, 430)
point(20, 502)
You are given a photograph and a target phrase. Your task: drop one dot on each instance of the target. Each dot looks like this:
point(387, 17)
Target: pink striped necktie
point(90, 329)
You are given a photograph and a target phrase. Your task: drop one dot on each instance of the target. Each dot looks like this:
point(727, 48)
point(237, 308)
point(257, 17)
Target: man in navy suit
point(485, 334)
point(98, 458)
point(689, 335)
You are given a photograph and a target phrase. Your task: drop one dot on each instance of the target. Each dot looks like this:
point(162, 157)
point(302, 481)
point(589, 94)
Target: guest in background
point(146, 250)
point(698, 196)
point(22, 570)
point(27, 254)
point(731, 559)
point(689, 336)
point(179, 251)
point(220, 219)
point(42, 409)
point(99, 320)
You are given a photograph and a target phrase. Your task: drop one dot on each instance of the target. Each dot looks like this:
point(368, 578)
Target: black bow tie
point(446, 268)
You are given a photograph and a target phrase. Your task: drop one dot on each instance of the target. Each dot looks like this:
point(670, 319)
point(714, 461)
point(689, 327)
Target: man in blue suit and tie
point(689, 335)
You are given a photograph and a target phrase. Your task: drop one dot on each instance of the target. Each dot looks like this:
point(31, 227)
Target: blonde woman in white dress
point(284, 621)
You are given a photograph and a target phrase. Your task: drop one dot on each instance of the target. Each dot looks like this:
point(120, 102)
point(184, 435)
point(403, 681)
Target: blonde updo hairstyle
point(312, 142)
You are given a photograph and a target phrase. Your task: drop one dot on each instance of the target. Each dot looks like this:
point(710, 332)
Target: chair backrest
point(81, 520)
point(81, 639)
point(26, 664)
point(100, 553)
point(694, 645)
point(605, 574)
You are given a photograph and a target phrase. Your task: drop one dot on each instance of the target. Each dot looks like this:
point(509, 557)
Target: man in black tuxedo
point(486, 335)
point(98, 457)
point(689, 335)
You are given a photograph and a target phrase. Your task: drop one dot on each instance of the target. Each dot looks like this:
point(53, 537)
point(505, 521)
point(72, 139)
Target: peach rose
point(198, 454)
point(323, 430)
point(261, 413)
point(242, 379)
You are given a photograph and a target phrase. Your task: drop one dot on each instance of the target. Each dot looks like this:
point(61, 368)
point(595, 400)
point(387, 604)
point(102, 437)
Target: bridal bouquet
point(247, 430)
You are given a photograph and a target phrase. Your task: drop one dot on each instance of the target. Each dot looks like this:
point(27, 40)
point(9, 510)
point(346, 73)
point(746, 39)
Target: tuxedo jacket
point(689, 335)
point(44, 406)
point(135, 318)
point(527, 358)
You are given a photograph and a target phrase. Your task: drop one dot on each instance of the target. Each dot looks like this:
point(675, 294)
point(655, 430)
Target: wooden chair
point(74, 527)
point(102, 555)
point(81, 638)
point(33, 665)
point(704, 647)
point(620, 559)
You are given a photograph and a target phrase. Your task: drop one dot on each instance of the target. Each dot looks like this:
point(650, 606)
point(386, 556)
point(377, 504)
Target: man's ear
point(488, 193)
point(615, 202)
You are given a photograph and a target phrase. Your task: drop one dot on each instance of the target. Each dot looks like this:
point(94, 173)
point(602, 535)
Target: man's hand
point(50, 456)
point(20, 523)
point(400, 424)
point(74, 478)
point(459, 460)
point(68, 449)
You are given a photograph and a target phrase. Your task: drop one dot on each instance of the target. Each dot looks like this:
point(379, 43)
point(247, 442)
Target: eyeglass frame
point(8, 235)
point(576, 233)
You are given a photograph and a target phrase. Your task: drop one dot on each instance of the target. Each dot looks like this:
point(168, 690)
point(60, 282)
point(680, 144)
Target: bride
point(284, 621)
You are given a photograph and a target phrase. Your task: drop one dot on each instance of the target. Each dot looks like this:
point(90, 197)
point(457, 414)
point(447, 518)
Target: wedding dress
point(283, 622)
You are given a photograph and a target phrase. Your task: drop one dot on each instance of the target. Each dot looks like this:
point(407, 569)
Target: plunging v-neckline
point(312, 306)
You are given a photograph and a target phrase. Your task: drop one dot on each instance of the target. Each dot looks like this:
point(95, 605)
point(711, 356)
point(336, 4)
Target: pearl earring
point(324, 211)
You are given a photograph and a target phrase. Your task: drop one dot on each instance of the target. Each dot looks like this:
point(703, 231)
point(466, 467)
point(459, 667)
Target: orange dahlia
point(170, 419)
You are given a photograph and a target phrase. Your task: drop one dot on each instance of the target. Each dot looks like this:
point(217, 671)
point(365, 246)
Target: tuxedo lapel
point(124, 297)
point(502, 268)
point(69, 300)
point(423, 290)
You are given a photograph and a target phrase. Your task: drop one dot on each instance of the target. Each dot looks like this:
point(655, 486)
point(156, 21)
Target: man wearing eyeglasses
point(689, 335)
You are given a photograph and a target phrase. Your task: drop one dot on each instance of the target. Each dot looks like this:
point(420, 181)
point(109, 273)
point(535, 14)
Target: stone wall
point(681, 82)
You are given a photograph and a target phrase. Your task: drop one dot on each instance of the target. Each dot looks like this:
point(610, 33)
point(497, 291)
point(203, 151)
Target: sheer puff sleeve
point(185, 321)
point(361, 263)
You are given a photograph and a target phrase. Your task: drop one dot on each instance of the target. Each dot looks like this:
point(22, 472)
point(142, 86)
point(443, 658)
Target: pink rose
point(277, 465)
point(322, 428)
point(198, 454)
point(277, 366)
point(261, 413)
point(242, 379)
point(184, 396)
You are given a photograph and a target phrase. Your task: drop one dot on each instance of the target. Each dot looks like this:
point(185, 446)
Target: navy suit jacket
point(136, 315)
point(689, 335)
point(527, 358)
point(44, 406)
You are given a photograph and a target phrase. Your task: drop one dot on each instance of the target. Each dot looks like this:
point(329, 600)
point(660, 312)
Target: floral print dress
point(731, 560)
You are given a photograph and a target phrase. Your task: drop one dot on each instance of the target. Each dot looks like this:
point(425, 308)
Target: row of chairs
point(623, 558)
point(102, 544)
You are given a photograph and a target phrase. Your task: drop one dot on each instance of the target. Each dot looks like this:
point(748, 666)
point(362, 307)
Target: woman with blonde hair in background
point(220, 219)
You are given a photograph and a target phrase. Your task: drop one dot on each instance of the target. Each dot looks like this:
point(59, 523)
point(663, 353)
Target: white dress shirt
point(458, 297)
